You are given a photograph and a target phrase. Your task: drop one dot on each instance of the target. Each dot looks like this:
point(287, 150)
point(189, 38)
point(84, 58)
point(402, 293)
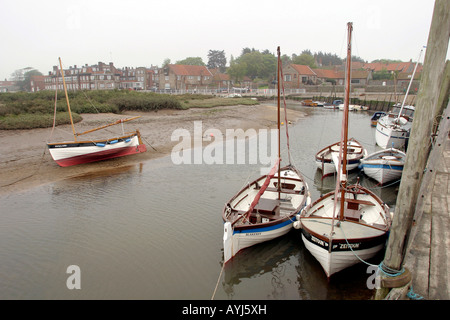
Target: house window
point(355, 80)
point(287, 78)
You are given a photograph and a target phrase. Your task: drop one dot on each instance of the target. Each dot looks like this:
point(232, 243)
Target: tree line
point(261, 66)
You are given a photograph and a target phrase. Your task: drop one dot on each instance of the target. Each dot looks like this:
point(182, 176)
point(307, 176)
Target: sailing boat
point(325, 157)
point(393, 129)
point(350, 223)
point(266, 208)
point(76, 152)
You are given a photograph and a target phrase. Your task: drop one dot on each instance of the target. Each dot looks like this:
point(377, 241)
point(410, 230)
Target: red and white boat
point(76, 152)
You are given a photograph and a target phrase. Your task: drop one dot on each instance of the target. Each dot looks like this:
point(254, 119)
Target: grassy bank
point(23, 110)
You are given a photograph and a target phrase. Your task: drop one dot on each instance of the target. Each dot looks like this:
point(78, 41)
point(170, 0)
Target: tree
point(217, 59)
point(237, 70)
point(192, 61)
point(305, 59)
point(166, 62)
point(23, 76)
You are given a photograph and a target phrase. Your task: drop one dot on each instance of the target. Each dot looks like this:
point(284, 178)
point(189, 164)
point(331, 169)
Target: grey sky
point(143, 33)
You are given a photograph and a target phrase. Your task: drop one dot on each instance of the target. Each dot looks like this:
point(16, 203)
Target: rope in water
point(387, 271)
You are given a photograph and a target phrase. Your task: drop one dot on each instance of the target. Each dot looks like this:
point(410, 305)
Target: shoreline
point(25, 162)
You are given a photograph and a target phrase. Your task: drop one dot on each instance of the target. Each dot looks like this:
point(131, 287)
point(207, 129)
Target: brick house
point(184, 77)
point(37, 83)
point(327, 75)
point(296, 75)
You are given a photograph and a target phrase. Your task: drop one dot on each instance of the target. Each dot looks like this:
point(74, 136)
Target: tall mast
point(409, 85)
point(279, 132)
point(67, 99)
point(343, 176)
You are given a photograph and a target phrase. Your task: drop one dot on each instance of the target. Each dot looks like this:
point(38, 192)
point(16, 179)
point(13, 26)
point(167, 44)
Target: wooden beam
point(419, 146)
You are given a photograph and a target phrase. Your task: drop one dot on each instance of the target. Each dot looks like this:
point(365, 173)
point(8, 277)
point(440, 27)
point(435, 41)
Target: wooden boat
point(69, 153)
point(266, 208)
point(385, 165)
point(350, 223)
point(325, 162)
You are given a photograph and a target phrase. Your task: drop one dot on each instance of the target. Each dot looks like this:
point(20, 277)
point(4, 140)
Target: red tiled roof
point(221, 77)
point(326, 73)
point(302, 69)
point(188, 70)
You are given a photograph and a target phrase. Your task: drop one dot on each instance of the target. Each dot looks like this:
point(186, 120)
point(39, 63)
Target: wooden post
point(419, 146)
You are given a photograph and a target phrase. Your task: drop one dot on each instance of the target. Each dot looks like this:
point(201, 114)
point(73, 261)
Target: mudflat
point(25, 161)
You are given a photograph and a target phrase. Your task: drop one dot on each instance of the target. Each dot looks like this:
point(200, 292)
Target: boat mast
point(409, 85)
point(67, 99)
point(343, 176)
point(279, 131)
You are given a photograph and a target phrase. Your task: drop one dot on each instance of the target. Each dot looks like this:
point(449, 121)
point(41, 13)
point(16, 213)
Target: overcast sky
point(137, 33)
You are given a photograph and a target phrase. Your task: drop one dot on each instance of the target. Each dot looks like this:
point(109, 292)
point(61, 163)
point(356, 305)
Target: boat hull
point(74, 153)
point(239, 239)
point(344, 255)
point(324, 158)
point(384, 166)
point(271, 218)
point(388, 137)
point(358, 234)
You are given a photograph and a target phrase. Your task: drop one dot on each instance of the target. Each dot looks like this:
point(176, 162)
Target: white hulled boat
point(350, 223)
point(69, 153)
point(384, 165)
point(266, 208)
point(325, 158)
point(394, 128)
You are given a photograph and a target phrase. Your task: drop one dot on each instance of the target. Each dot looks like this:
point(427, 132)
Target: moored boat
point(324, 158)
point(349, 224)
point(393, 129)
point(384, 165)
point(69, 153)
point(265, 209)
point(377, 115)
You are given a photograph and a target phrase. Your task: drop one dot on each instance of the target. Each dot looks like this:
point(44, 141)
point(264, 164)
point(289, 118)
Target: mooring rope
point(218, 280)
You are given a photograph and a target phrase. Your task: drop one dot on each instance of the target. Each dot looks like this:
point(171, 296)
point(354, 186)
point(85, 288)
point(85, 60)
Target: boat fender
point(114, 141)
point(297, 225)
point(402, 121)
point(227, 241)
point(308, 199)
point(100, 144)
point(127, 140)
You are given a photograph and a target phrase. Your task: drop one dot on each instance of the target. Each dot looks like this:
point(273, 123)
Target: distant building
point(184, 77)
point(8, 86)
point(101, 76)
point(296, 75)
point(96, 77)
point(37, 83)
